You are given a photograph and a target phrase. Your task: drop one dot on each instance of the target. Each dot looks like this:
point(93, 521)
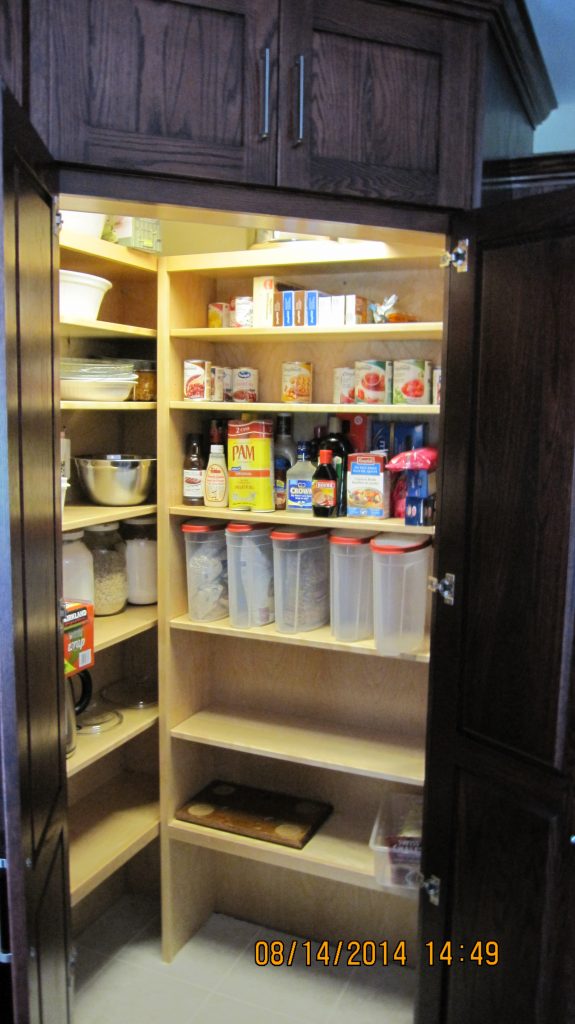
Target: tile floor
point(120, 978)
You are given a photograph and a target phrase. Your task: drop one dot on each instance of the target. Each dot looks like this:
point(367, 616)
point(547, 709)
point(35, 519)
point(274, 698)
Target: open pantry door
point(499, 822)
point(33, 854)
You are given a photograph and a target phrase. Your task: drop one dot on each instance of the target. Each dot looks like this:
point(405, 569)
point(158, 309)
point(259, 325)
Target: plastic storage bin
point(250, 575)
point(206, 570)
point(351, 585)
point(400, 570)
point(396, 841)
point(301, 579)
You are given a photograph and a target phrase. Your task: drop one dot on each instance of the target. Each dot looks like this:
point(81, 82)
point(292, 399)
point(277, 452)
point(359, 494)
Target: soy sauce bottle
point(324, 486)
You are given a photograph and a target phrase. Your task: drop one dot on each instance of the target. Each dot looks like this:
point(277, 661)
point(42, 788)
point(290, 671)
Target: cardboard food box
point(368, 486)
point(78, 627)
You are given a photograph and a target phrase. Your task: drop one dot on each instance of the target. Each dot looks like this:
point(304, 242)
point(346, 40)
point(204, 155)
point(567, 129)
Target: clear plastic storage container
point(206, 570)
point(400, 570)
point(301, 579)
point(351, 585)
point(396, 841)
point(110, 574)
point(77, 568)
point(139, 534)
point(251, 575)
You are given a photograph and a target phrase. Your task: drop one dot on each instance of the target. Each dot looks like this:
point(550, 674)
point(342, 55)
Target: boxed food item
point(78, 626)
point(408, 435)
point(297, 382)
point(219, 314)
point(251, 465)
point(355, 309)
point(338, 310)
point(359, 430)
point(142, 233)
point(343, 385)
point(241, 311)
point(373, 381)
point(368, 486)
point(396, 840)
point(197, 380)
point(411, 382)
point(420, 511)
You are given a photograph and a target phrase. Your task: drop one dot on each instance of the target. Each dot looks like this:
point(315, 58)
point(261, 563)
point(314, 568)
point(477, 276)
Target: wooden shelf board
point(321, 637)
point(115, 406)
point(102, 329)
point(299, 519)
point(122, 256)
point(108, 828)
point(112, 629)
point(293, 739)
point(90, 748)
point(419, 331)
point(339, 851)
point(76, 517)
point(397, 411)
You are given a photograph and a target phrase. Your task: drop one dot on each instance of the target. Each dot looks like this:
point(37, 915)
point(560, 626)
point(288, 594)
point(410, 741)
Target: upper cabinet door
point(170, 86)
point(378, 101)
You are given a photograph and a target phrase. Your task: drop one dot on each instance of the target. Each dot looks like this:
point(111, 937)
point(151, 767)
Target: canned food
point(411, 382)
point(296, 382)
point(197, 373)
point(219, 314)
point(217, 384)
point(343, 385)
point(241, 311)
point(436, 386)
point(373, 381)
point(244, 384)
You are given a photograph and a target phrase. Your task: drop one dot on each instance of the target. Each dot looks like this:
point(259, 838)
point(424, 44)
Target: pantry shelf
point(397, 411)
point(299, 519)
point(76, 517)
point(102, 329)
point(96, 248)
point(339, 851)
point(90, 748)
point(419, 331)
point(118, 820)
point(116, 406)
point(321, 637)
point(112, 629)
point(305, 742)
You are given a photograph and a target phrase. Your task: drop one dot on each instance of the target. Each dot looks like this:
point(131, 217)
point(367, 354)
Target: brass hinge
point(458, 257)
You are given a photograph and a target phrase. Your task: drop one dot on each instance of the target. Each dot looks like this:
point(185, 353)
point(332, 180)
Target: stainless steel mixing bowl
point(116, 479)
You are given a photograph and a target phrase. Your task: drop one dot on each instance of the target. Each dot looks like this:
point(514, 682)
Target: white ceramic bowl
point(95, 390)
point(81, 295)
point(84, 223)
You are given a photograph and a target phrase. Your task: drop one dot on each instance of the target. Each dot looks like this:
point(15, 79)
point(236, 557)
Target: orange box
point(78, 626)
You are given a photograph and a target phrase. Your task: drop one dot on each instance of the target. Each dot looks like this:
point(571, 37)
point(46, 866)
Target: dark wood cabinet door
point(378, 100)
point(171, 86)
point(34, 908)
point(500, 803)
point(12, 46)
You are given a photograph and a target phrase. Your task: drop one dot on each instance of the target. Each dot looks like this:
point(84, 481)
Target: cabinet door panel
point(387, 104)
point(172, 86)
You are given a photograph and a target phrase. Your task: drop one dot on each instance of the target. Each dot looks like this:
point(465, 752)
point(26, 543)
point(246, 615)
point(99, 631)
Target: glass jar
point(139, 534)
point(77, 568)
point(145, 386)
point(110, 571)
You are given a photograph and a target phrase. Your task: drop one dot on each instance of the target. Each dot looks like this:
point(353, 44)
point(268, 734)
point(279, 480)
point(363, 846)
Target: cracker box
point(368, 486)
point(251, 465)
point(78, 627)
point(355, 309)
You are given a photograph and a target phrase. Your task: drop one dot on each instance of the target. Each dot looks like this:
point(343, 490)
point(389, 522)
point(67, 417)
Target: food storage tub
point(396, 841)
point(351, 585)
point(400, 570)
point(206, 569)
point(301, 579)
point(251, 575)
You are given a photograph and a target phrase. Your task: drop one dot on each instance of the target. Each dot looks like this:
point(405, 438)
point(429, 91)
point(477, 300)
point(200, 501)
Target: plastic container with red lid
point(206, 569)
point(351, 585)
point(301, 575)
point(401, 565)
point(251, 576)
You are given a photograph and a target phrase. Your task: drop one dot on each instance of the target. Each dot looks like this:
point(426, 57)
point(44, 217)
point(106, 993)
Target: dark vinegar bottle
point(324, 486)
point(194, 466)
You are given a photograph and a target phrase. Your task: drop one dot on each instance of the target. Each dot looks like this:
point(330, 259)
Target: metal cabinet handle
point(265, 132)
point(300, 65)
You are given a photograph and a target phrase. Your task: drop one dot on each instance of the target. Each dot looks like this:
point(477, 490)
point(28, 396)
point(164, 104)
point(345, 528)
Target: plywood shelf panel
point(112, 629)
point(102, 329)
point(397, 411)
point(321, 637)
point(120, 256)
point(293, 739)
point(419, 331)
point(274, 519)
point(114, 406)
point(109, 828)
point(90, 748)
point(76, 517)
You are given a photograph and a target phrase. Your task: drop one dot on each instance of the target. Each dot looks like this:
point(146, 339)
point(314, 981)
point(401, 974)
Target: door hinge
point(457, 257)
point(432, 886)
point(5, 955)
point(445, 587)
point(58, 223)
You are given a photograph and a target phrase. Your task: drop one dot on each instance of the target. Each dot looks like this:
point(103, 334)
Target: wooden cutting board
point(259, 813)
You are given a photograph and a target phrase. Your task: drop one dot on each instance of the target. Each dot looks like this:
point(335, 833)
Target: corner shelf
point(90, 748)
point(102, 329)
point(116, 406)
point(112, 629)
point(76, 517)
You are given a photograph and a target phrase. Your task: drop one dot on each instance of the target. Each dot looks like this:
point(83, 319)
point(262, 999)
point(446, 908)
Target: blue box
point(288, 309)
point(381, 436)
point(420, 511)
point(408, 435)
point(311, 304)
point(420, 483)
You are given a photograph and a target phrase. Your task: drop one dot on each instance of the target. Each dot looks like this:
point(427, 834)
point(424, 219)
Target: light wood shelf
point(103, 406)
point(112, 629)
point(108, 828)
point(321, 637)
point(274, 519)
point(339, 851)
point(110, 252)
point(397, 411)
point(76, 517)
point(102, 329)
point(90, 748)
point(294, 739)
point(418, 331)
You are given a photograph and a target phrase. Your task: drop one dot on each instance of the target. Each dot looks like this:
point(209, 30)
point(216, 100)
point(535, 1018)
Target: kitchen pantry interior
point(303, 713)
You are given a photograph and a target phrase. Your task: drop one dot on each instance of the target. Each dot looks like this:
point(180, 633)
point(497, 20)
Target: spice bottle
point(110, 574)
point(324, 486)
point(193, 472)
point(216, 478)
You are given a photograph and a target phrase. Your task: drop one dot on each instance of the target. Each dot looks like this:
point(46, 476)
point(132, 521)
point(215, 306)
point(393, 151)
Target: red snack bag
point(417, 458)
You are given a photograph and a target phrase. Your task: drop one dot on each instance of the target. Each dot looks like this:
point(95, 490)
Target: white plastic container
point(206, 569)
point(77, 568)
point(351, 585)
point(400, 570)
point(301, 579)
point(396, 841)
point(81, 295)
point(139, 534)
point(84, 223)
point(251, 575)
